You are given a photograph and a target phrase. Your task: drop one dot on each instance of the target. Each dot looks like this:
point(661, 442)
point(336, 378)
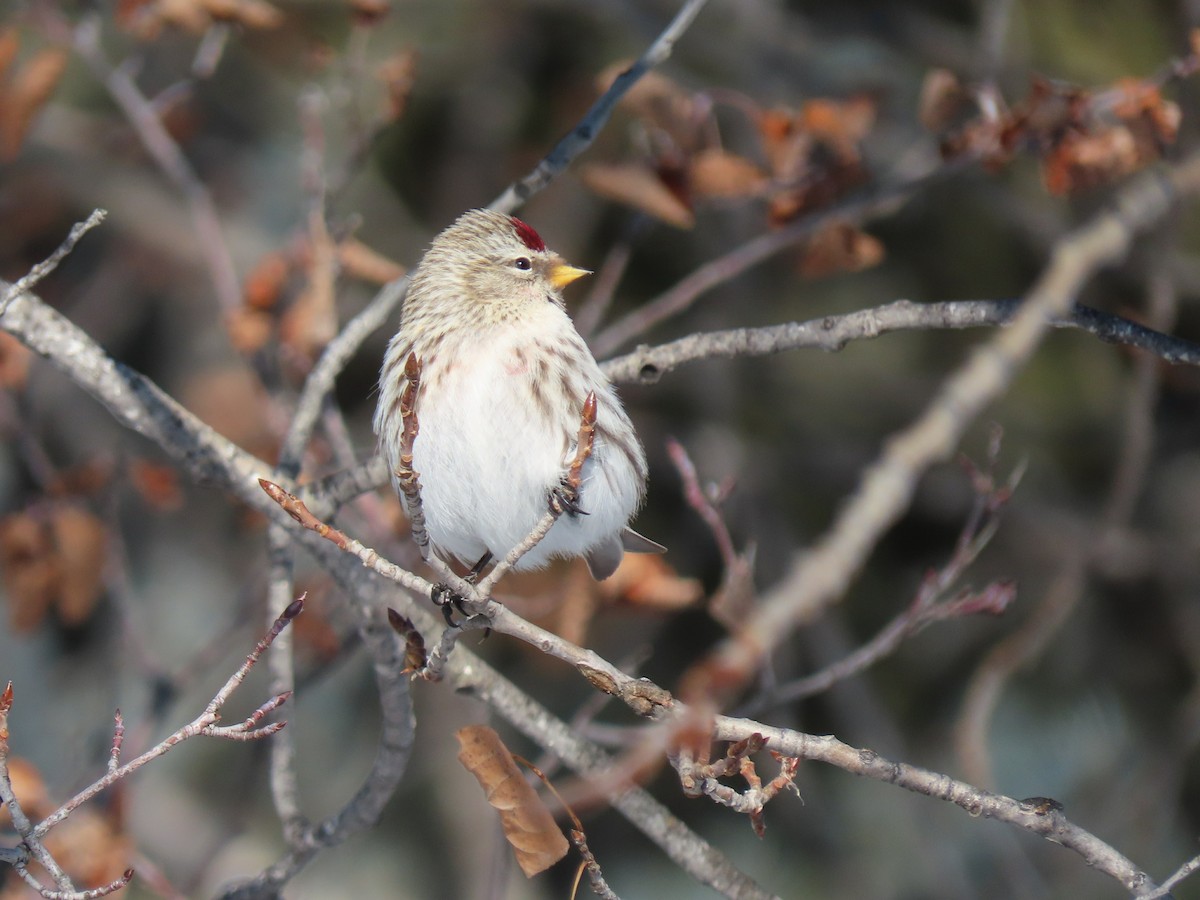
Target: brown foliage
point(528, 825)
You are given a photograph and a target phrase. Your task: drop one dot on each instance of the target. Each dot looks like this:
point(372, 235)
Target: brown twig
point(295, 508)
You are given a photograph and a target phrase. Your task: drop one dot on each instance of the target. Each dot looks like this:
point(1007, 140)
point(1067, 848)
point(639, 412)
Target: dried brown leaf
point(398, 74)
point(251, 13)
point(638, 186)
point(14, 362)
point(83, 479)
point(190, 15)
point(26, 94)
point(232, 400)
point(30, 790)
point(942, 99)
point(839, 124)
point(718, 173)
point(658, 101)
point(837, 249)
point(648, 581)
point(30, 570)
point(81, 545)
point(369, 12)
point(10, 45)
point(311, 321)
point(1082, 161)
point(90, 846)
point(264, 285)
point(156, 483)
point(528, 825)
point(248, 329)
point(360, 261)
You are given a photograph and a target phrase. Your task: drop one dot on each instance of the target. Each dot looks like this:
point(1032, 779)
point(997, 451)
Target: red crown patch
point(528, 236)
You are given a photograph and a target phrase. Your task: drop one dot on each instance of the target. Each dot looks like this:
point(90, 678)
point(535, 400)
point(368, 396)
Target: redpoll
point(503, 382)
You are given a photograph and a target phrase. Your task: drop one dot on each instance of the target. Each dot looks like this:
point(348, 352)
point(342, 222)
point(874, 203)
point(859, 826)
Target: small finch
point(503, 382)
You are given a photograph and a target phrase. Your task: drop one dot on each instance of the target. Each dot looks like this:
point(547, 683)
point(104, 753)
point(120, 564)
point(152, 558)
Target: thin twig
point(166, 153)
point(204, 724)
point(1164, 889)
point(50, 263)
point(879, 202)
point(832, 333)
point(819, 577)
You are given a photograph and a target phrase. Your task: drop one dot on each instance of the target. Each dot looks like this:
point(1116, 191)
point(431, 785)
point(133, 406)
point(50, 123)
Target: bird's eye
point(523, 263)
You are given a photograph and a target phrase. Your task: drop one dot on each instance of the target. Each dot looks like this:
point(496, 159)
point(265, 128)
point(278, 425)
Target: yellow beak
point(562, 275)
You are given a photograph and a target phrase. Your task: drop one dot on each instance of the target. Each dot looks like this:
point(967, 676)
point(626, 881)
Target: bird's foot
point(564, 498)
point(449, 601)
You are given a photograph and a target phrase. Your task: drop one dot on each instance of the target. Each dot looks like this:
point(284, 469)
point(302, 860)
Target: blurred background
point(129, 585)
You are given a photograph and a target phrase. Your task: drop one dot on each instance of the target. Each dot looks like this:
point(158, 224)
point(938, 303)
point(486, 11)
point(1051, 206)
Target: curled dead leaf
point(10, 45)
point(360, 261)
point(528, 825)
point(1083, 161)
point(264, 286)
point(942, 99)
point(839, 124)
point(156, 483)
point(369, 12)
point(26, 94)
point(251, 13)
point(718, 173)
point(91, 846)
point(233, 401)
point(14, 362)
point(29, 569)
point(659, 102)
point(639, 186)
point(648, 581)
point(30, 790)
point(837, 249)
point(398, 74)
point(248, 329)
point(81, 544)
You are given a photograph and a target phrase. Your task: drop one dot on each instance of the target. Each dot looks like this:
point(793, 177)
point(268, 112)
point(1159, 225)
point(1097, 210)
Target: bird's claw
point(564, 498)
point(449, 602)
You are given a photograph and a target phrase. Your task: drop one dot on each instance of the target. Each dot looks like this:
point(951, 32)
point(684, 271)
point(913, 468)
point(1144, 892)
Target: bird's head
point(495, 264)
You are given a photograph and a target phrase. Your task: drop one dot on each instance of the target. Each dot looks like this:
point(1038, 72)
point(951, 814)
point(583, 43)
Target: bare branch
point(832, 333)
point(205, 723)
point(740, 259)
point(819, 577)
point(166, 153)
point(1038, 815)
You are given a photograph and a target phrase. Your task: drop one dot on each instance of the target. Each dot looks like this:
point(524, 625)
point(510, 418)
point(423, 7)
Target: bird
point(504, 376)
